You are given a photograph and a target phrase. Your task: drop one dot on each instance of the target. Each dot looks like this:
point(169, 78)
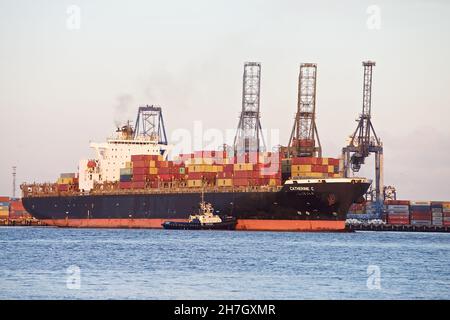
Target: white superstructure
point(112, 155)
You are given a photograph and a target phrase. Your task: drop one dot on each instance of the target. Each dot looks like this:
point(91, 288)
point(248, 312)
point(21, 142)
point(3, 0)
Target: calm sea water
point(50, 263)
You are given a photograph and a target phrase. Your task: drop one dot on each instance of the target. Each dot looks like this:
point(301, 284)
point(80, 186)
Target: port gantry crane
point(302, 142)
point(365, 141)
point(249, 133)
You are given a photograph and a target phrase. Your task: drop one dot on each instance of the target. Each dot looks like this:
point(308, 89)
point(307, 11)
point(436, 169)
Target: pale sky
point(61, 87)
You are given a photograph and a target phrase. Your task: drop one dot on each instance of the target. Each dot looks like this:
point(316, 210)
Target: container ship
point(131, 183)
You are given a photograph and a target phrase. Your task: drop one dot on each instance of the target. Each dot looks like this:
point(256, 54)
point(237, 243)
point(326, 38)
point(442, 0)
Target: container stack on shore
point(406, 212)
point(4, 208)
point(12, 209)
point(397, 211)
point(446, 213)
point(420, 213)
point(436, 213)
point(17, 211)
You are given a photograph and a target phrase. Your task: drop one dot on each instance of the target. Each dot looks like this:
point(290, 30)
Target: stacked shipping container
point(446, 213)
point(436, 214)
point(405, 212)
point(17, 211)
point(420, 213)
point(211, 168)
point(67, 182)
point(397, 212)
point(4, 208)
point(315, 167)
point(12, 209)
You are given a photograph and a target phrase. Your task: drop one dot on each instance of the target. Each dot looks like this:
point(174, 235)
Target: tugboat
point(205, 219)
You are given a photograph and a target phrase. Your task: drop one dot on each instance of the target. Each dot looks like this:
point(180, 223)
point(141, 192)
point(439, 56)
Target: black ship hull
point(301, 206)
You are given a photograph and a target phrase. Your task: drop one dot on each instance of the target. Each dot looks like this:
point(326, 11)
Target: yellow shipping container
point(194, 183)
point(152, 163)
point(325, 161)
point(128, 165)
point(273, 182)
point(330, 169)
point(316, 175)
point(153, 170)
point(224, 182)
point(65, 181)
point(446, 205)
point(301, 168)
point(4, 214)
point(243, 167)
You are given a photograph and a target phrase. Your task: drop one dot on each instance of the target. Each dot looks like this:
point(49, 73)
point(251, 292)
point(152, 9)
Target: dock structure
point(397, 227)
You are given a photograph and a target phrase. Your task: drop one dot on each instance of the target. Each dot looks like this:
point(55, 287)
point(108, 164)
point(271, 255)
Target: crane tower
point(249, 137)
point(364, 140)
point(302, 142)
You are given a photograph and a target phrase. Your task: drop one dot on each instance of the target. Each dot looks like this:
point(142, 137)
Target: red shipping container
point(240, 182)
point(63, 187)
point(125, 185)
point(139, 177)
point(396, 221)
point(397, 202)
point(302, 160)
point(17, 205)
point(4, 199)
point(195, 175)
point(209, 175)
point(153, 184)
point(164, 171)
point(241, 174)
point(333, 162)
point(140, 171)
point(420, 214)
point(138, 185)
point(420, 217)
point(162, 164)
point(144, 157)
point(224, 175)
point(137, 158)
point(228, 168)
point(141, 164)
point(165, 177)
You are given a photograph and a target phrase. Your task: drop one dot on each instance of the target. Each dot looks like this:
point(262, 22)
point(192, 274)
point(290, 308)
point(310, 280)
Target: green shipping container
point(126, 171)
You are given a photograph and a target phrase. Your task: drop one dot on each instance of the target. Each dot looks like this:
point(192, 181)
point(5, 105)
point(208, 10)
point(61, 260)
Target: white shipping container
point(398, 207)
point(420, 203)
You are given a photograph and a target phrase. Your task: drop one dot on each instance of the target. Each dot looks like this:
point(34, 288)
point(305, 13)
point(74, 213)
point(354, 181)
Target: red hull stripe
point(243, 224)
point(291, 225)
